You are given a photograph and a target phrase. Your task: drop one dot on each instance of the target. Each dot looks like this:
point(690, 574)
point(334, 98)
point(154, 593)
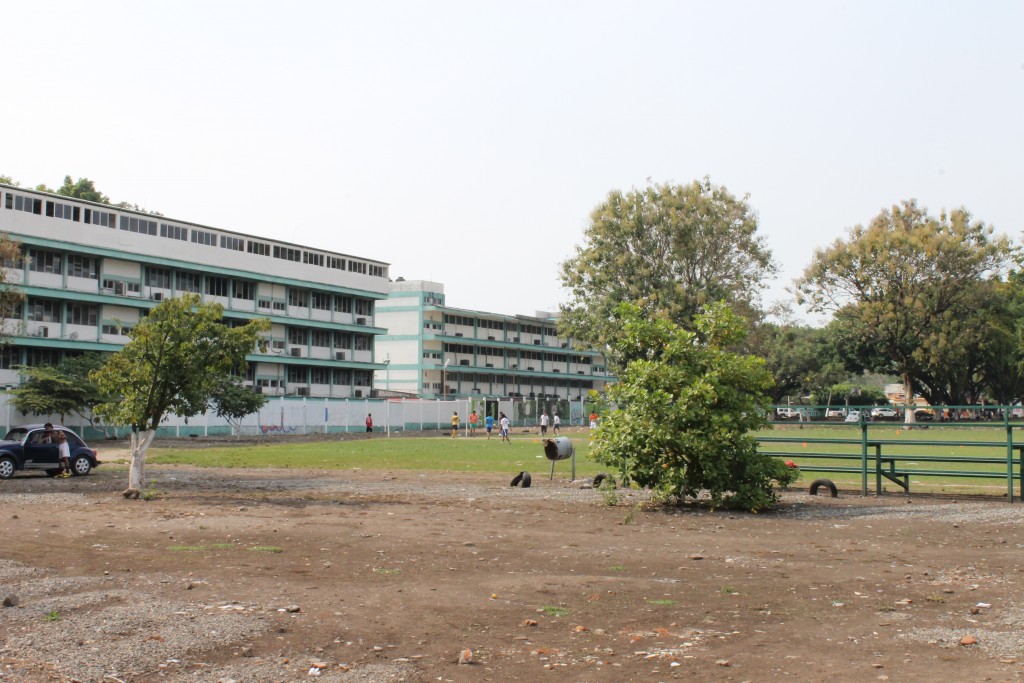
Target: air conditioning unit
point(565, 345)
point(515, 339)
point(530, 368)
point(119, 288)
point(302, 391)
point(490, 338)
point(580, 372)
point(339, 355)
point(458, 334)
point(358, 393)
point(107, 290)
point(488, 365)
point(555, 370)
point(360, 321)
point(463, 362)
point(158, 296)
point(536, 342)
point(476, 391)
point(513, 367)
point(73, 336)
point(296, 353)
point(43, 332)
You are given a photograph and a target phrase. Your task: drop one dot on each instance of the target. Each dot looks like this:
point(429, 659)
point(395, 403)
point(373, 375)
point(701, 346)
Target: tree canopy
point(59, 389)
point(668, 249)
point(83, 188)
point(907, 291)
point(233, 401)
point(685, 410)
point(177, 356)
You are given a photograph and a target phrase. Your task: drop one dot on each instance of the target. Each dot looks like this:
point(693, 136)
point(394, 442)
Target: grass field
point(439, 454)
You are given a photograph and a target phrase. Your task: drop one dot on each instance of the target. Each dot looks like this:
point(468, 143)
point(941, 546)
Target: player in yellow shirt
point(455, 423)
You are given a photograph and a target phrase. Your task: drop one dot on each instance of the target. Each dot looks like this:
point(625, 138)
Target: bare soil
point(284, 575)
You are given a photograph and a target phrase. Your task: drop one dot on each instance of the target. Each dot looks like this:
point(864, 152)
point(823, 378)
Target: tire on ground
point(522, 479)
point(599, 479)
point(827, 483)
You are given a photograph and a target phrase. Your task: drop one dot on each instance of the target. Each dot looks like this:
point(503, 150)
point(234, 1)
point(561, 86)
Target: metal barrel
point(558, 449)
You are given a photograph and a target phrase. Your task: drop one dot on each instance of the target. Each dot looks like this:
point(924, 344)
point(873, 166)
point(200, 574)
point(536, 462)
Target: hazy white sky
point(467, 142)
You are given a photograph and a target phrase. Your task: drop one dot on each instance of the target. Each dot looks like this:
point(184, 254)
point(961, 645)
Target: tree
point(82, 189)
point(669, 249)
point(233, 401)
point(59, 390)
point(177, 356)
point(685, 411)
point(903, 287)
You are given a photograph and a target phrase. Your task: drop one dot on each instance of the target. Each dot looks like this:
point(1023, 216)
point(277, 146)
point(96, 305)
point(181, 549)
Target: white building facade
point(91, 271)
point(432, 350)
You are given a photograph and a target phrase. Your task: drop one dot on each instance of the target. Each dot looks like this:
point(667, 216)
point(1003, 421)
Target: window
point(174, 232)
point(312, 259)
point(43, 310)
point(377, 271)
point(28, 204)
point(189, 282)
point(158, 277)
point(139, 225)
point(319, 375)
point(336, 263)
point(263, 303)
point(320, 338)
point(234, 243)
point(343, 376)
point(42, 261)
point(245, 290)
point(364, 307)
point(342, 304)
point(39, 357)
point(83, 266)
point(297, 374)
point(343, 340)
point(297, 335)
point(357, 267)
point(279, 306)
point(9, 357)
point(216, 286)
point(203, 237)
point(82, 314)
point(107, 220)
point(298, 297)
point(258, 248)
point(363, 342)
point(65, 211)
point(321, 301)
point(287, 254)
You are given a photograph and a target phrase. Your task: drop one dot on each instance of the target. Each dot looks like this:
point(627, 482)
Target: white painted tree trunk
point(136, 472)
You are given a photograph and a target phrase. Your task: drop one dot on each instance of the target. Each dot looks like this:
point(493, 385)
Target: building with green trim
point(91, 271)
point(431, 350)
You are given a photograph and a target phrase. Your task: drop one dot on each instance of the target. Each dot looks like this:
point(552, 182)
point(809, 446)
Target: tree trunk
point(136, 472)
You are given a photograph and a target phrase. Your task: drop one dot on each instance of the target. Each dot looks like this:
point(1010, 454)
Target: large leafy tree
point(668, 249)
point(176, 358)
point(1003, 362)
point(685, 410)
point(83, 188)
point(904, 290)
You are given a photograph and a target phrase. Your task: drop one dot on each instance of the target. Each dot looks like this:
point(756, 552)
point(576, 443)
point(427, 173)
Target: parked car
point(853, 416)
point(884, 412)
point(788, 413)
point(924, 415)
point(23, 449)
point(833, 412)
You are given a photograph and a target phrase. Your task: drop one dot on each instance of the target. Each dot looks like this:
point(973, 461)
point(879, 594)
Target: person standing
point(555, 424)
point(63, 450)
point(455, 423)
point(593, 420)
point(369, 423)
point(473, 420)
point(504, 429)
point(543, 424)
point(489, 425)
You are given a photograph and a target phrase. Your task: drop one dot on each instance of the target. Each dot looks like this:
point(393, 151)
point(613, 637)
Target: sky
point(468, 142)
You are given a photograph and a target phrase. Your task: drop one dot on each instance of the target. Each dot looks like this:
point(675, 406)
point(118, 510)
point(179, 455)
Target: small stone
point(529, 622)
point(723, 662)
point(695, 556)
point(247, 651)
point(581, 629)
point(319, 665)
point(293, 609)
point(968, 640)
point(11, 601)
point(466, 656)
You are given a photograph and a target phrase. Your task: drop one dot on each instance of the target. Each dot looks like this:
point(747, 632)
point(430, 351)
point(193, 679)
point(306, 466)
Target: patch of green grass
point(386, 572)
point(616, 568)
point(53, 616)
point(729, 590)
point(267, 549)
point(554, 611)
point(437, 454)
point(187, 548)
point(663, 603)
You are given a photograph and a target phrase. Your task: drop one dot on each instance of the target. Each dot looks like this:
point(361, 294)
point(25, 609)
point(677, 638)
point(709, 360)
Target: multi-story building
point(432, 350)
point(91, 271)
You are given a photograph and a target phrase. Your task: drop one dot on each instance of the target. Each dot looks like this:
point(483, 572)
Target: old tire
point(827, 483)
point(81, 466)
point(522, 479)
point(599, 479)
point(7, 467)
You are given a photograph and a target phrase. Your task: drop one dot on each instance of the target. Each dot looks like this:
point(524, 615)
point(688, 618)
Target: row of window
point(43, 261)
point(515, 380)
point(490, 324)
point(144, 226)
point(512, 354)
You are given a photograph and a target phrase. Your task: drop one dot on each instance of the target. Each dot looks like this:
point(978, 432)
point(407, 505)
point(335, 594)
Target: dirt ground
point(274, 575)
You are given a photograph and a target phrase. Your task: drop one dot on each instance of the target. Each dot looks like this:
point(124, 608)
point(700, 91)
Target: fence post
point(864, 459)
point(1009, 456)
